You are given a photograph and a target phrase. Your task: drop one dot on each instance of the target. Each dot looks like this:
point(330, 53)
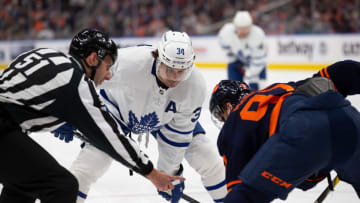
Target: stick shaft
point(327, 190)
point(189, 199)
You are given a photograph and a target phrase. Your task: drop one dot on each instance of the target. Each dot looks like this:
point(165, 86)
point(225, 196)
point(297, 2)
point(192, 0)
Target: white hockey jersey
point(249, 50)
point(136, 99)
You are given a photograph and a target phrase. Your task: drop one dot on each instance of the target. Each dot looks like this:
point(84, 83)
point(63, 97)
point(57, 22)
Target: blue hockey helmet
point(92, 40)
point(226, 91)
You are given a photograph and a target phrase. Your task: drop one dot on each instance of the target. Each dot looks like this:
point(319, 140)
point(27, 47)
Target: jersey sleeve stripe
point(217, 186)
point(172, 143)
point(167, 126)
point(44, 51)
point(104, 95)
point(57, 60)
point(60, 80)
point(326, 73)
point(17, 79)
point(6, 73)
point(123, 127)
point(38, 121)
point(36, 67)
point(42, 105)
point(232, 183)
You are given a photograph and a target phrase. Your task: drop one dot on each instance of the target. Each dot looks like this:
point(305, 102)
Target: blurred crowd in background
point(49, 19)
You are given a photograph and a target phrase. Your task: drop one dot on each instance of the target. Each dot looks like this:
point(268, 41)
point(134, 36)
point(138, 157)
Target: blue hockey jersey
point(256, 118)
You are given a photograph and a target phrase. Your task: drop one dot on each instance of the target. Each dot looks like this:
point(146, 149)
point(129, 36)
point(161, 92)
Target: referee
point(40, 91)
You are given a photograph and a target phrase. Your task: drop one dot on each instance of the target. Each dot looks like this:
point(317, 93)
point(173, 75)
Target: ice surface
point(117, 186)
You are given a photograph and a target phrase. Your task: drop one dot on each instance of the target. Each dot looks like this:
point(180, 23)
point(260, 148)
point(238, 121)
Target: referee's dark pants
point(28, 172)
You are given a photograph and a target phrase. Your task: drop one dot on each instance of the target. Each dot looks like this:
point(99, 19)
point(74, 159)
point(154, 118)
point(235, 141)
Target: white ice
point(117, 186)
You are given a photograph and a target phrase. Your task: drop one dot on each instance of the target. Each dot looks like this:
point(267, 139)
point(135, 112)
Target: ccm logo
point(275, 179)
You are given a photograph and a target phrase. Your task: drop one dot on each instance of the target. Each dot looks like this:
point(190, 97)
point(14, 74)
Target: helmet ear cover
point(92, 40)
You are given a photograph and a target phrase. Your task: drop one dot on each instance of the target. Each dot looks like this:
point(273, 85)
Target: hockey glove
point(65, 132)
point(175, 194)
point(236, 70)
point(241, 69)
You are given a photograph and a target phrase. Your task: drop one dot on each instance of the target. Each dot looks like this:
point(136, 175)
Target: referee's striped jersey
point(43, 88)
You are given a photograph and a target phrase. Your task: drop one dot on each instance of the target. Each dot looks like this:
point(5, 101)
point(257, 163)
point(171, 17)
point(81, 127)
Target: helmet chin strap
point(161, 84)
point(93, 69)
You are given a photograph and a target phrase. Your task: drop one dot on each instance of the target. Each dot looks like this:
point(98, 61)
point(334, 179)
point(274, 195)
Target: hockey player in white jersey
point(244, 44)
point(159, 91)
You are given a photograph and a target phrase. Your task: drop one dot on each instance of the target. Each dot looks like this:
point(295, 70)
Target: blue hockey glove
point(236, 70)
point(175, 194)
point(65, 132)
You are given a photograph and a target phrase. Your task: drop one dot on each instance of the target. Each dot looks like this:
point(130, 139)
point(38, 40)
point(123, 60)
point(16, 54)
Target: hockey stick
point(188, 198)
point(329, 188)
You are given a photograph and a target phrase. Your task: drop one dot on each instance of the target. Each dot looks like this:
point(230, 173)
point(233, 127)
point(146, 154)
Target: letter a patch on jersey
point(171, 107)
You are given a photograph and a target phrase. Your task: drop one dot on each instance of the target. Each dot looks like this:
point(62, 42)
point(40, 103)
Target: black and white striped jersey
point(43, 88)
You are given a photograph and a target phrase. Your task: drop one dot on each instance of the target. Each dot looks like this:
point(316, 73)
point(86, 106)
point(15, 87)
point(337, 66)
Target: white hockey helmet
point(176, 51)
point(242, 19)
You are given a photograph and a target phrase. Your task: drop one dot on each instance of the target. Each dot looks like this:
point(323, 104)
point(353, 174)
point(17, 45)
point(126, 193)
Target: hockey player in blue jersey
point(273, 140)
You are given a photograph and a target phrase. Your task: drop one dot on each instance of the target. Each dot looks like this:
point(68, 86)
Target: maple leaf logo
point(147, 123)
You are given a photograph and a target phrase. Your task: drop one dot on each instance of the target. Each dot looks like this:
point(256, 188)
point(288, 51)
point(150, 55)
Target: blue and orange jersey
point(256, 117)
point(250, 124)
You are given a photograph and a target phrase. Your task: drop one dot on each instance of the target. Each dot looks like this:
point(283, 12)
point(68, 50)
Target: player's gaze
point(173, 74)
